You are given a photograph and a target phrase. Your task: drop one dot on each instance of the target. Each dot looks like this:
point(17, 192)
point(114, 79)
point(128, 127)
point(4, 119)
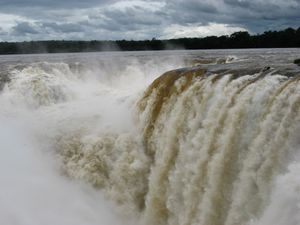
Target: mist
point(45, 101)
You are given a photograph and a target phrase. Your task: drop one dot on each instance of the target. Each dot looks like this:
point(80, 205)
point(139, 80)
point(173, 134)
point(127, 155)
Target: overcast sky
point(141, 19)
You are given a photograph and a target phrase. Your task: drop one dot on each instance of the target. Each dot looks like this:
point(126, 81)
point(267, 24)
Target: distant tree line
point(270, 39)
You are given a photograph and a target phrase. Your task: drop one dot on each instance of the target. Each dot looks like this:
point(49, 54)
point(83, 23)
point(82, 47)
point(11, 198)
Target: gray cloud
point(2, 32)
point(259, 15)
point(50, 4)
point(140, 19)
point(238, 3)
point(24, 28)
point(63, 27)
point(133, 18)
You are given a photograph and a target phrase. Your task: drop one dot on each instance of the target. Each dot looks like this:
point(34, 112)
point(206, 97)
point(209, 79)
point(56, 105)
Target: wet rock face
point(297, 62)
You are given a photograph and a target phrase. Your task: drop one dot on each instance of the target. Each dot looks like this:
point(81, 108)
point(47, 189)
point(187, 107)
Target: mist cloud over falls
point(41, 103)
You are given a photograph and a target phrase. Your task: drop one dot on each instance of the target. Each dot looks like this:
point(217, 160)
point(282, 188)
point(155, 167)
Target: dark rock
point(297, 62)
point(266, 68)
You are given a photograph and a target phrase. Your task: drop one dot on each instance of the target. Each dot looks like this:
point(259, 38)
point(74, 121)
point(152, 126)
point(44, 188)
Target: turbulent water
point(170, 138)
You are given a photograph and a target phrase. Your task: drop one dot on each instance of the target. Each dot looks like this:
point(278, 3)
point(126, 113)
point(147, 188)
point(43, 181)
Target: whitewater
point(164, 138)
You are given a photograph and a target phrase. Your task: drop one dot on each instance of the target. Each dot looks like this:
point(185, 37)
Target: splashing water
point(214, 144)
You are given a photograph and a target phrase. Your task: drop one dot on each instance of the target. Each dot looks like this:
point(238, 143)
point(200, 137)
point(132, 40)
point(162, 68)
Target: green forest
point(270, 39)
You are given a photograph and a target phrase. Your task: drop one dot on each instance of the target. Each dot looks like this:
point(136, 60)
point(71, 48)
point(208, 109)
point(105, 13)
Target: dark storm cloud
point(238, 3)
point(193, 6)
point(24, 28)
point(2, 32)
point(64, 27)
point(259, 15)
point(132, 19)
point(50, 4)
point(254, 15)
point(261, 9)
point(195, 12)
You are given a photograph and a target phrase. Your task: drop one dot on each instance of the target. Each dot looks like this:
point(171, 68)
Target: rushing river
point(152, 138)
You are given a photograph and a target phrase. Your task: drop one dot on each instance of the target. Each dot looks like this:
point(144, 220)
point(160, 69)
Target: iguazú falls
point(204, 137)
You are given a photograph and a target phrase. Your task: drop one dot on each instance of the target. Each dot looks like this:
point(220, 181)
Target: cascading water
point(213, 144)
point(217, 142)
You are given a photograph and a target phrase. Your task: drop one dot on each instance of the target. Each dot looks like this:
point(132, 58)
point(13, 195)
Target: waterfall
point(215, 142)
point(208, 152)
